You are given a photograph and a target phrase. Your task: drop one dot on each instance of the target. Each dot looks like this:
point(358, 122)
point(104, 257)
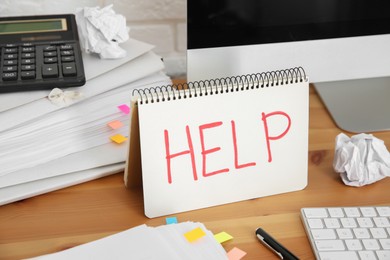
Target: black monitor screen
point(219, 23)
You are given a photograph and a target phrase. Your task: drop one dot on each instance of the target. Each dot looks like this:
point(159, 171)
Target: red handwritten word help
point(207, 151)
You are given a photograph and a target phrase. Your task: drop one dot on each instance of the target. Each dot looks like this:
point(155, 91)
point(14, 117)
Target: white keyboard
point(338, 233)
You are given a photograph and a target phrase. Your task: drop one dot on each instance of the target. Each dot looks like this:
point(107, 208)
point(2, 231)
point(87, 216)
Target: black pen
point(274, 245)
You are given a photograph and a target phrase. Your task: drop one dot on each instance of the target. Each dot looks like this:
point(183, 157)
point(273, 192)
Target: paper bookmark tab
point(124, 108)
point(222, 237)
point(115, 124)
point(118, 138)
point(171, 220)
point(235, 254)
point(194, 234)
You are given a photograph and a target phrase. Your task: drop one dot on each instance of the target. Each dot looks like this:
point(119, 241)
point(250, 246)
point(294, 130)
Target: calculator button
point(51, 60)
point(28, 49)
point(10, 56)
point(66, 53)
point(10, 76)
point(11, 45)
point(10, 50)
point(10, 68)
point(28, 61)
point(66, 47)
point(67, 58)
point(69, 69)
point(28, 67)
point(28, 55)
point(10, 62)
point(50, 54)
point(49, 70)
point(27, 74)
point(49, 48)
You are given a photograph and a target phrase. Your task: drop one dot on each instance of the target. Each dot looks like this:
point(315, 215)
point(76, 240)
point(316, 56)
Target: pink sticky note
point(124, 108)
point(115, 124)
point(118, 138)
point(235, 254)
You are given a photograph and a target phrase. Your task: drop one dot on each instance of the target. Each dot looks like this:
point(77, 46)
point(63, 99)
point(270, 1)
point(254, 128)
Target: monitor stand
point(358, 106)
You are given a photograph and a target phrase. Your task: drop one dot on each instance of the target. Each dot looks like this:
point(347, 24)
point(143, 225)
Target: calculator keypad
point(27, 63)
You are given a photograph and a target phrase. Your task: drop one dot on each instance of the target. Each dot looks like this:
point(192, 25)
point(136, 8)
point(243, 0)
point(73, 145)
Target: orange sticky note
point(235, 254)
point(124, 108)
point(194, 234)
point(118, 138)
point(222, 237)
point(115, 124)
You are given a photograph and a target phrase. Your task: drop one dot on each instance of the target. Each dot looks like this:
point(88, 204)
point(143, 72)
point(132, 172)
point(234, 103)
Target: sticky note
point(235, 254)
point(171, 220)
point(115, 124)
point(222, 237)
point(194, 234)
point(124, 108)
point(118, 138)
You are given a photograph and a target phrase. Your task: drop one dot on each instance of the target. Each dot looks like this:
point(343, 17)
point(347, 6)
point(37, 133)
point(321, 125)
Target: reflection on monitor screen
point(336, 41)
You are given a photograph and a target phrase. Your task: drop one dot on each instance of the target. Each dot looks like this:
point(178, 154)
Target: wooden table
point(86, 212)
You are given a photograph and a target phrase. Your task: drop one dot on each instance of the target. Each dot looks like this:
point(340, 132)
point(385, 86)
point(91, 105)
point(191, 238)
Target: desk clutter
point(54, 139)
point(174, 241)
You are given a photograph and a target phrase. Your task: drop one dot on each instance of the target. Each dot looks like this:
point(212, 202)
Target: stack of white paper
point(47, 145)
point(143, 242)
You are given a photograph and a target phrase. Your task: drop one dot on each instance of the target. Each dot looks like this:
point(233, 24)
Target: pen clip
point(267, 245)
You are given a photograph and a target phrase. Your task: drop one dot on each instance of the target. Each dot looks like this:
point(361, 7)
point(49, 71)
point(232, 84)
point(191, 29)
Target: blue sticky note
point(171, 220)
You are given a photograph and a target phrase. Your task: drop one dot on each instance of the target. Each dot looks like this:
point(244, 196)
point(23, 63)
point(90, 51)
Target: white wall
point(159, 22)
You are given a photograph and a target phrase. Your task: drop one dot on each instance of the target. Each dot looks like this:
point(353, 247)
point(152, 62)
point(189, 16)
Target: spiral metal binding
point(219, 86)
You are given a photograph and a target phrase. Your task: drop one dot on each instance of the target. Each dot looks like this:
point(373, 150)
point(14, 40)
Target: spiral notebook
point(219, 141)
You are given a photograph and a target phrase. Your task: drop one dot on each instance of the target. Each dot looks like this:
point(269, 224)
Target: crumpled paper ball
point(361, 160)
point(101, 31)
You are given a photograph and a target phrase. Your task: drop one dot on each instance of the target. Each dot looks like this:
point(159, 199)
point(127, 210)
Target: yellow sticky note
point(235, 254)
point(118, 138)
point(222, 237)
point(194, 234)
point(115, 124)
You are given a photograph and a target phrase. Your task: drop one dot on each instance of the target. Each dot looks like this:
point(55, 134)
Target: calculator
point(40, 52)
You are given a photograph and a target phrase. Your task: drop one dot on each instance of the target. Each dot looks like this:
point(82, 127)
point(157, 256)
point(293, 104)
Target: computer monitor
point(343, 45)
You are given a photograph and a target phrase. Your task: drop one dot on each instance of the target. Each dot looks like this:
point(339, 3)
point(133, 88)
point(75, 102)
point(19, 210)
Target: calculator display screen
point(33, 26)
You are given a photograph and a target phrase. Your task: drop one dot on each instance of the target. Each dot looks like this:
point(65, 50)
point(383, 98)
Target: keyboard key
point(353, 244)
point(315, 223)
point(28, 67)
point(332, 223)
point(381, 222)
point(378, 232)
point(368, 212)
point(348, 222)
point(10, 68)
point(383, 211)
point(329, 245)
point(315, 213)
point(383, 254)
point(350, 255)
point(344, 233)
point(370, 244)
point(365, 222)
point(361, 233)
point(385, 243)
point(336, 212)
point(352, 212)
point(367, 255)
point(323, 234)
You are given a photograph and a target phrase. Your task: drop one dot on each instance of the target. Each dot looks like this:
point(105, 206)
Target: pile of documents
point(187, 240)
point(54, 139)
